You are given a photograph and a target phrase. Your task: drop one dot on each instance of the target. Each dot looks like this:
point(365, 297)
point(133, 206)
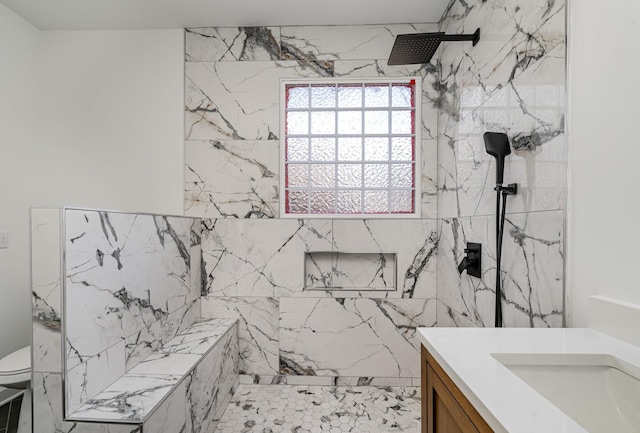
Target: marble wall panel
point(414, 241)
point(221, 44)
point(364, 337)
point(448, 318)
point(132, 398)
point(514, 82)
point(150, 339)
point(531, 111)
point(48, 412)
point(429, 180)
point(128, 290)
point(260, 257)
point(210, 386)
point(532, 269)
point(240, 261)
point(515, 34)
point(170, 415)
point(46, 271)
point(94, 375)
point(238, 100)
point(257, 330)
point(104, 285)
point(344, 42)
point(235, 179)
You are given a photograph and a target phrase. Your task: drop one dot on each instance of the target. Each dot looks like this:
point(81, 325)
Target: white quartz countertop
point(506, 402)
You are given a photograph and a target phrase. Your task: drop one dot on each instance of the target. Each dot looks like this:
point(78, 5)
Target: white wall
point(113, 125)
point(20, 57)
point(89, 119)
point(604, 153)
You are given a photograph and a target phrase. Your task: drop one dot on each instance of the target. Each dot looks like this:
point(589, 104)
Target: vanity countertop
point(506, 402)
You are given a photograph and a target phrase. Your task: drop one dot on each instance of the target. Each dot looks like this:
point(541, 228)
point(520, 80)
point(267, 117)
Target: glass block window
point(350, 148)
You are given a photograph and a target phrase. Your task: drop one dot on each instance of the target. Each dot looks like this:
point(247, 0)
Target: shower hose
point(501, 208)
point(500, 218)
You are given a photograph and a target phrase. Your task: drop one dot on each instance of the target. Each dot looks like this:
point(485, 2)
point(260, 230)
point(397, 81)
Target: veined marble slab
point(95, 374)
point(219, 44)
point(257, 329)
point(128, 284)
point(344, 42)
point(135, 395)
point(515, 35)
point(241, 261)
point(514, 82)
point(130, 399)
point(414, 241)
point(199, 338)
point(233, 179)
point(48, 412)
point(531, 111)
point(46, 294)
point(104, 285)
point(532, 269)
point(363, 337)
point(211, 385)
point(171, 415)
point(238, 100)
point(152, 338)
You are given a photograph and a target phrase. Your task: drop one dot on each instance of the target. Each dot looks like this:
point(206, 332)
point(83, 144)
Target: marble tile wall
point(255, 272)
point(185, 387)
point(232, 101)
point(254, 260)
point(514, 82)
point(117, 307)
point(128, 290)
point(46, 277)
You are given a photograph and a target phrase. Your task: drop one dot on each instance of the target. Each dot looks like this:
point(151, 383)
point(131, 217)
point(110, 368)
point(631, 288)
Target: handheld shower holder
point(511, 189)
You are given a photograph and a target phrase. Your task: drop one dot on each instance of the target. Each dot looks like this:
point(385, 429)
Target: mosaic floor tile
point(317, 409)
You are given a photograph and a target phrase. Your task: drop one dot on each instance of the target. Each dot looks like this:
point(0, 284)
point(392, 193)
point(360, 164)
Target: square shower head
point(414, 48)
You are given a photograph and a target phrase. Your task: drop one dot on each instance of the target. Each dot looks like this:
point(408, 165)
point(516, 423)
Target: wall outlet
point(4, 239)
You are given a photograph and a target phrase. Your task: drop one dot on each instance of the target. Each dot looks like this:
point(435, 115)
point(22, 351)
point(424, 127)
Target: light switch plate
point(4, 239)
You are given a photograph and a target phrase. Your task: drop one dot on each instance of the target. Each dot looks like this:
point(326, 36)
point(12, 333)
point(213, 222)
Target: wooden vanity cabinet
point(444, 408)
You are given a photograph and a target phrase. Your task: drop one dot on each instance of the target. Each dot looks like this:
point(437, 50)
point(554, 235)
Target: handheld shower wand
point(497, 145)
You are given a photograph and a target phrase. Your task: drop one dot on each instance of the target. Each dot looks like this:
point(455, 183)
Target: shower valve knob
point(472, 261)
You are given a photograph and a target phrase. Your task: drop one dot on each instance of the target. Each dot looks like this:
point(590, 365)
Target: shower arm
point(475, 37)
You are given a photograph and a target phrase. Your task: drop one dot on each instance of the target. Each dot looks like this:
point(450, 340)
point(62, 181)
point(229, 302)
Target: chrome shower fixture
point(417, 48)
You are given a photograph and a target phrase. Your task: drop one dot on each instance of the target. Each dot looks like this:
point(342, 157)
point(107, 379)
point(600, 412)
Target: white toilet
point(15, 369)
point(15, 373)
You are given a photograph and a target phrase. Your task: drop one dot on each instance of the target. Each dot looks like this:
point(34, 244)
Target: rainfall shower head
point(497, 145)
point(420, 47)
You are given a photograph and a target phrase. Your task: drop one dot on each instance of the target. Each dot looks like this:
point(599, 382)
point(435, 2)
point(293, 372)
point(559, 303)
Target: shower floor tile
point(316, 409)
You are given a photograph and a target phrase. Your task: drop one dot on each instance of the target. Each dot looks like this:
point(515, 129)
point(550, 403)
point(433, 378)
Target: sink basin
point(598, 391)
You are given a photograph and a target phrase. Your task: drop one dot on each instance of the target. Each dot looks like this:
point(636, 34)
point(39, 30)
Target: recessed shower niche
point(339, 271)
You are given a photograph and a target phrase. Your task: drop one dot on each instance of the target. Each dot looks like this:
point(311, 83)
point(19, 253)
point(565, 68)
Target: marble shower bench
point(184, 386)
